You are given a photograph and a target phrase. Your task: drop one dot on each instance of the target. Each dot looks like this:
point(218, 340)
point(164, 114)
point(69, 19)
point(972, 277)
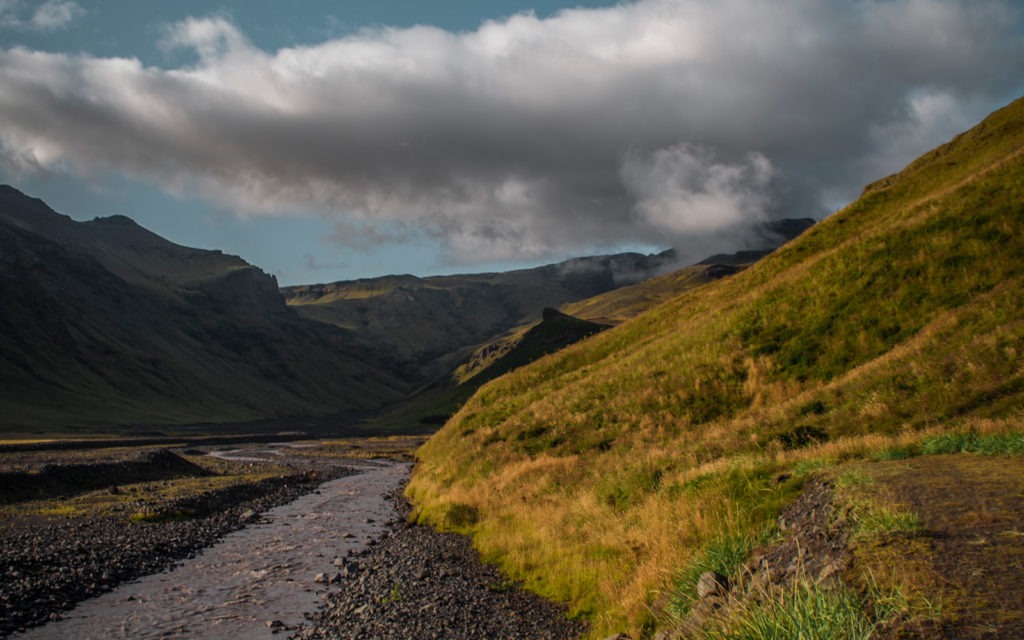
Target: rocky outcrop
point(245, 288)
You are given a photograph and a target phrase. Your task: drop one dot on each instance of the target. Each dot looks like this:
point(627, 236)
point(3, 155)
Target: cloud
point(529, 137)
point(51, 15)
point(683, 190)
point(56, 14)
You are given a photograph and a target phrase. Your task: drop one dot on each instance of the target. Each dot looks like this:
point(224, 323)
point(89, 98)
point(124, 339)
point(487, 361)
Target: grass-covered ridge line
point(599, 473)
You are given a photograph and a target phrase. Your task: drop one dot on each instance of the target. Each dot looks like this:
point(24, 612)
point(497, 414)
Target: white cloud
point(56, 14)
point(510, 140)
point(212, 38)
point(682, 190)
point(51, 15)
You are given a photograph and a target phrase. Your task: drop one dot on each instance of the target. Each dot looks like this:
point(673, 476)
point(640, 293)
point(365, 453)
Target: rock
point(321, 578)
point(712, 583)
point(247, 515)
point(830, 569)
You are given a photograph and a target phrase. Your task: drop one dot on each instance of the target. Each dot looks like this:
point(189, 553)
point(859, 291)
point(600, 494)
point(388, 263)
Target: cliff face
point(245, 288)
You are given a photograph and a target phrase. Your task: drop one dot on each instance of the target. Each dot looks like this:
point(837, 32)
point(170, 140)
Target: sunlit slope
point(433, 324)
point(600, 473)
point(618, 306)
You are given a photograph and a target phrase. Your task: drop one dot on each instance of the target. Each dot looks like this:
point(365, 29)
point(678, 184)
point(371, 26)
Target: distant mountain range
point(107, 325)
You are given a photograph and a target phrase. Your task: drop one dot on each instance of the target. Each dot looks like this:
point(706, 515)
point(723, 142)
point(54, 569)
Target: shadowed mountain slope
point(605, 474)
point(105, 324)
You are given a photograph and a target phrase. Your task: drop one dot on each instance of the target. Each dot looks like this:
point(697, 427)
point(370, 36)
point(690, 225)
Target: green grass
point(868, 513)
point(970, 442)
point(724, 556)
point(804, 611)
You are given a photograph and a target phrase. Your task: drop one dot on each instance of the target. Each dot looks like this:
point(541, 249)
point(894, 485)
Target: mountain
point(619, 305)
point(611, 474)
point(105, 324)
point(109, 325)
point(436, 323)
point(577, 320)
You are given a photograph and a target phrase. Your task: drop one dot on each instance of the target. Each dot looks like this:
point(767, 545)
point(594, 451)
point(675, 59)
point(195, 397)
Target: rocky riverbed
point(48, 564)
point(256, 560)
point(418, 583)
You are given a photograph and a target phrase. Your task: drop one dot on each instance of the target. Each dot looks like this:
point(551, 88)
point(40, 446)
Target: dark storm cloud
point(644, 122)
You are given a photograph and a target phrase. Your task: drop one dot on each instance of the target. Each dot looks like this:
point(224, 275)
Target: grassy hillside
point(525, 343)
point(434, 324)
point(606, 474)
point(622, 304)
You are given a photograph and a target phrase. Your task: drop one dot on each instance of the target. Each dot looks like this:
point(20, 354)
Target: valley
point(687, 451)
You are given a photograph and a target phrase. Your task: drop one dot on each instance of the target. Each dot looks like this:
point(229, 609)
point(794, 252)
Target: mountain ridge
point(97, 335)
point(129, 327)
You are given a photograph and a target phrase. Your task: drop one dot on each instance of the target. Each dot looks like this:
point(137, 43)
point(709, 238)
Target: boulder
point(712, 583)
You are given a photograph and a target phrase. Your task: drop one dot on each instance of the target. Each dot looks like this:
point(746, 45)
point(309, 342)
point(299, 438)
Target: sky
point(333, 140)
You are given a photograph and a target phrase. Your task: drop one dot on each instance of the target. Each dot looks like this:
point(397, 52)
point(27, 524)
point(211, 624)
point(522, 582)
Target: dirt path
point(968, 557)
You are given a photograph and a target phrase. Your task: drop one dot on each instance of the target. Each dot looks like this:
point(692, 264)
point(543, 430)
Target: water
point(256, 575)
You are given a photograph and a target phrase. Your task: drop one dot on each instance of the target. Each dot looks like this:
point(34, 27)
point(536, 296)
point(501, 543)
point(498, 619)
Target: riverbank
point(418, 583)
